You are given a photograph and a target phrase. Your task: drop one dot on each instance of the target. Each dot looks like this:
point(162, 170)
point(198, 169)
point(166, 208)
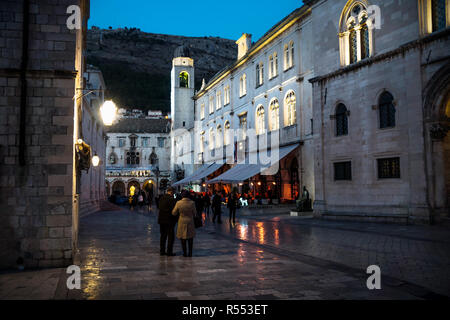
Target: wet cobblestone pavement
point(261, 257)
point(258, 258)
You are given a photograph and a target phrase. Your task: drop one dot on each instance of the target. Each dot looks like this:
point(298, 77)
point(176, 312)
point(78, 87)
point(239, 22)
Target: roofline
point(274, 32)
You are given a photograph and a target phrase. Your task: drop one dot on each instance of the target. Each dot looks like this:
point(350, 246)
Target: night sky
point(225, 19)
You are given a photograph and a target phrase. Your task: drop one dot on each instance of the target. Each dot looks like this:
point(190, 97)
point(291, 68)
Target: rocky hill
point(136, 65)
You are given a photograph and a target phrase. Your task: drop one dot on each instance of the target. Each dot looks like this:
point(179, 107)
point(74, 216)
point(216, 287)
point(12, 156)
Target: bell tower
point(182, 90)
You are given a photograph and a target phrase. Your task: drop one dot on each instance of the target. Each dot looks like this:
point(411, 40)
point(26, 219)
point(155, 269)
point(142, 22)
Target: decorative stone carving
point(438, 131)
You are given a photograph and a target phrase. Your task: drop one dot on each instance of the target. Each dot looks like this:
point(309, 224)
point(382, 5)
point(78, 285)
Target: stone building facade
point(39, 63)
point(92, 184)
point(381, 109)
point(371, 85)
point(264, 96)
point(138, 156)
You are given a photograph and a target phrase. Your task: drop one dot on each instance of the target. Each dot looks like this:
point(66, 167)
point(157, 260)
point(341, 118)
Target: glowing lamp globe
point(108, 112)
point(95, 160)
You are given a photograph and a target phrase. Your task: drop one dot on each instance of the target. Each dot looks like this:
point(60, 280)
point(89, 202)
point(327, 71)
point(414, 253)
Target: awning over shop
point(242, 172)
point(201, 173)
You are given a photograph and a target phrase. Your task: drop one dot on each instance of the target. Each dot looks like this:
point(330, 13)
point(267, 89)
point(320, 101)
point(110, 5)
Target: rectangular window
point(202, 111)
point(121, 142)
point(343, 171)
point(389, 168)
point(145, 142)
point(161, 142)
point(227, 95)
point(439, 15)
point(218, 100)
point(211, 104)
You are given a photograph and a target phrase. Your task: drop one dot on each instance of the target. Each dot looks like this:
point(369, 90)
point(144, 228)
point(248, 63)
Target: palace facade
point(353, 97)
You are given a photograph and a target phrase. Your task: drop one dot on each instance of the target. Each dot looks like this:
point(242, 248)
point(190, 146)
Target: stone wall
point(36, 195)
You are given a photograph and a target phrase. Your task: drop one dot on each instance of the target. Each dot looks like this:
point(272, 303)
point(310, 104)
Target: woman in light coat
point(186, 227)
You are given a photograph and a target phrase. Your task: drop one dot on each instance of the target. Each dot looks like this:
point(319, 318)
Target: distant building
point(138, 156)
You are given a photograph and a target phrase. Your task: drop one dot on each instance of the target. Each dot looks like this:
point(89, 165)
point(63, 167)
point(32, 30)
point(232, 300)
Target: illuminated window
point(218, 100)
point(226, 98)
point(289, 55)
point(202, 111)
point(271, 67)
point(355, 37)
point(260, 120)
point(211, 104)
point(341, 120)
point(274, 115)
point(227, 133)
point(243, 85)
point(259, 74)
point(290, 107)
point(184, 79)
point(386, 110)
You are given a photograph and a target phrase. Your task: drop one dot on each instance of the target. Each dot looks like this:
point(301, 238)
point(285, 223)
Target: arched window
point(219, 137)
point(153, 159)
point(341, 120)
point(355, 34)
point(211, 139)
point(113, 158)
point(184, 79)
point(290, 107)
point(260, 120)
point(227, 133)
point(274, 115)
point(387, 110)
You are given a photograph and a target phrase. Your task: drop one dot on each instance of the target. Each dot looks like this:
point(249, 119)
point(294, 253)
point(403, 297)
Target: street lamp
point(95, 160)
point(108, 112)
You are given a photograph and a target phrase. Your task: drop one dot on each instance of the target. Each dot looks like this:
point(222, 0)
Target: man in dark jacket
point(167, 222)
point(232, 205)
point(217, 207)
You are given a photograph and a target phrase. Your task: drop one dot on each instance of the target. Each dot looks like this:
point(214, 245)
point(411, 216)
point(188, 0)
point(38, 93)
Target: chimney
point(244, 43)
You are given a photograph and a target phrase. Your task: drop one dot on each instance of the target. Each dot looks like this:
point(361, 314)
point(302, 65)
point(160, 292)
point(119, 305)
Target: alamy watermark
point(74, 280)
point(374, 281)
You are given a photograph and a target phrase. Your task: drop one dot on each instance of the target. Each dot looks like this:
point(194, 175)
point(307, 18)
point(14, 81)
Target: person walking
point(167, 223)
point(186, 227)
point(199, 204)
point(206, 203)
point(232, 205)
point(217, 207)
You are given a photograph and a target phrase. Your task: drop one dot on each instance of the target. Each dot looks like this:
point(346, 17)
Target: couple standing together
point(172, 211)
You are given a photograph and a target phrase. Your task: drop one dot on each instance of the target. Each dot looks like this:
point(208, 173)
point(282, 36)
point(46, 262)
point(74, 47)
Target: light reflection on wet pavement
point(258, 258)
